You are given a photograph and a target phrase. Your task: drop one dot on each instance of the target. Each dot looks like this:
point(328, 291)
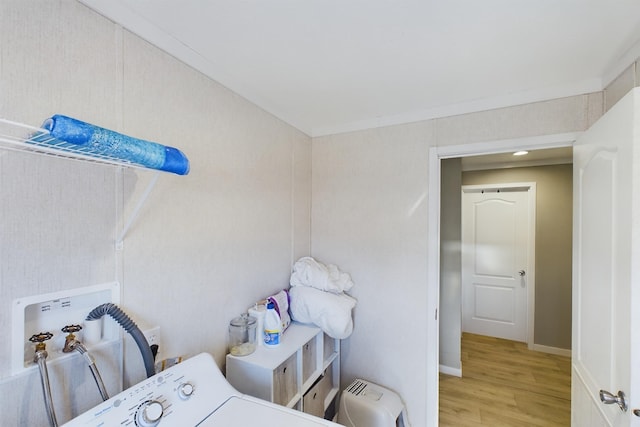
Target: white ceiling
point(549, 156)
point(329, 66)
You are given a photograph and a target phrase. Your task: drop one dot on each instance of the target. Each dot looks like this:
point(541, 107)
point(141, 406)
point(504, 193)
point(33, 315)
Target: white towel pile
point(317, 295)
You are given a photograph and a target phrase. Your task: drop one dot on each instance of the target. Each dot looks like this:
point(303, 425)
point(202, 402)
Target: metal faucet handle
point(69, 329)
point(41, 337)
point(70, 342)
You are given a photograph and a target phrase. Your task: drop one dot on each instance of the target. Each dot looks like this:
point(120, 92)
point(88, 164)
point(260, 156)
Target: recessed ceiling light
point(520, 153)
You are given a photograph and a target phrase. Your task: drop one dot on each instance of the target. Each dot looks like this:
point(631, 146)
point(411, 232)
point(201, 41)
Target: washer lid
point(244, 412)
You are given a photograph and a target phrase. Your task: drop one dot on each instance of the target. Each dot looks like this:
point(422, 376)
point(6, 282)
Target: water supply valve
point(70, 340)
point(39, 340)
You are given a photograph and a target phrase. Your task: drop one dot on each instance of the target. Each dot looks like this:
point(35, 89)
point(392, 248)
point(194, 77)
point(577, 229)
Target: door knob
point(521, 273)
point(608, 399)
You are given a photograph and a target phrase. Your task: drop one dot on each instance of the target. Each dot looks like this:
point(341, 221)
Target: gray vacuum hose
point(129, 325)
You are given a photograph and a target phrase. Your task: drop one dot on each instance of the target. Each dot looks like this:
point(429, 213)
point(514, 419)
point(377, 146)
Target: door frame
point(531, 249)
point(436, 154)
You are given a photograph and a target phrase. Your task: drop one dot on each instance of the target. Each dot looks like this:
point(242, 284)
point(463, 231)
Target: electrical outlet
point(153, 336)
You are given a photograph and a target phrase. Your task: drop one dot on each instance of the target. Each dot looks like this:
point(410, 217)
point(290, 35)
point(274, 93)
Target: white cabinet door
point(606, 270)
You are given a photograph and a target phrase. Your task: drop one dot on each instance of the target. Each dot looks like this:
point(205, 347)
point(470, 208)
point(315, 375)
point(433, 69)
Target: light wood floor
point(505, 384)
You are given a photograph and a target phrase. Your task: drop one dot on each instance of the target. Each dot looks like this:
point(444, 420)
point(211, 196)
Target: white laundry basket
point(364, 404)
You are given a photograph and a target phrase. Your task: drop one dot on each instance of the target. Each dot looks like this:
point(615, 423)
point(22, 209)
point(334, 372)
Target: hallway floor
point(506, 384)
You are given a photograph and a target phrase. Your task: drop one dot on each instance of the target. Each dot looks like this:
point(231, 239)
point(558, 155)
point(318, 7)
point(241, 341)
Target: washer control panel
point(182, 395)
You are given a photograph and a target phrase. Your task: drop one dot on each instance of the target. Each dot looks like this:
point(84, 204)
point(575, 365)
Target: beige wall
point(204, 246)
point(621, 85)
point(369, 215)
point(553, 245)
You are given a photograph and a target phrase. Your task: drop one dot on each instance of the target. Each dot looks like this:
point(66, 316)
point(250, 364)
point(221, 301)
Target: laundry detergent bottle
point(272, 327)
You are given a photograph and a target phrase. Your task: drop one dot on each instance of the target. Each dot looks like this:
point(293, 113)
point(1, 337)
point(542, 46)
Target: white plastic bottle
point(272, 327)
point(259, 311)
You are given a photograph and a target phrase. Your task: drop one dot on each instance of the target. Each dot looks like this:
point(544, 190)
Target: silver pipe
point(41, 359)
point(80, 348)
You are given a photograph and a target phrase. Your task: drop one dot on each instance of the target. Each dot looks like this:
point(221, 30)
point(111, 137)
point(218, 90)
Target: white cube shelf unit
point(302, 373)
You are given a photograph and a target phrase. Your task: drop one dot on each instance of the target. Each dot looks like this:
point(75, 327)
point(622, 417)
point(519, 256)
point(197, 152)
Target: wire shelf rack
point(16, 136)
point(20, 137)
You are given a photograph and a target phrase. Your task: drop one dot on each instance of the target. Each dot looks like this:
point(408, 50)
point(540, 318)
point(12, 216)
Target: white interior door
point(606, 268)
point(496, 240)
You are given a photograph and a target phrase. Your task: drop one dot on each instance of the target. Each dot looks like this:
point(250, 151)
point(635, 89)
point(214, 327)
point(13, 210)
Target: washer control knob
point(185, 390)
point(149, 413)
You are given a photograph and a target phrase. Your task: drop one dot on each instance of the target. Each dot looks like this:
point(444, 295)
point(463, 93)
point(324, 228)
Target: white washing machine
point(191, 393)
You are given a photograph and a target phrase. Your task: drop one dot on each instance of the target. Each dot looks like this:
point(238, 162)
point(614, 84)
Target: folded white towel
point(309, 272)
point(329, 311)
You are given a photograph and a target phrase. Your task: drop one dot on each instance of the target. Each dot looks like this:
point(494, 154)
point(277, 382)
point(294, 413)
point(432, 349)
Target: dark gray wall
point(450, 266)
point(553, 245)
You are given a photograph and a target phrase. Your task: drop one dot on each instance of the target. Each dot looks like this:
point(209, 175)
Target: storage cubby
point(302, 373)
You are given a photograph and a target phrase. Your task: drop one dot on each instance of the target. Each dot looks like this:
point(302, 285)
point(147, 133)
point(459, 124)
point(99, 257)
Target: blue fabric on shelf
point(103, 142)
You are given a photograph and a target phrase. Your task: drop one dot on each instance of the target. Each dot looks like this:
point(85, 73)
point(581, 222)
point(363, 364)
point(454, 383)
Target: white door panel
point(606, 273)
point(495, 241)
